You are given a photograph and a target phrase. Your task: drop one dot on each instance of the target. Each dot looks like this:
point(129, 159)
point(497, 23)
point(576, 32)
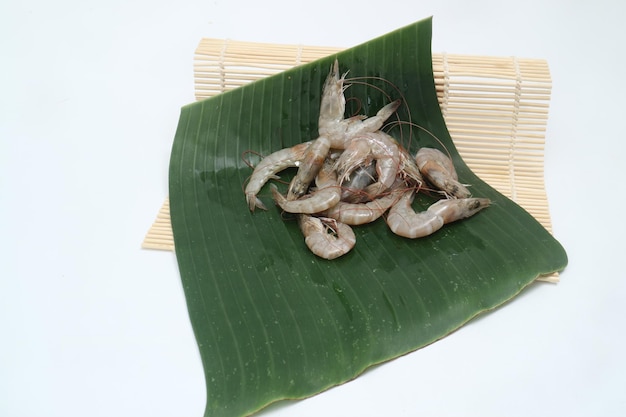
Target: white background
point(90, 324)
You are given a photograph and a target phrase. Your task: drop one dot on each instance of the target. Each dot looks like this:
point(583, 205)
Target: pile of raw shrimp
point(353, 173)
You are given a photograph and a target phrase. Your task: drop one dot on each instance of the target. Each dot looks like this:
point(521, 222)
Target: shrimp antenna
point(246, 161)
point(391, 125)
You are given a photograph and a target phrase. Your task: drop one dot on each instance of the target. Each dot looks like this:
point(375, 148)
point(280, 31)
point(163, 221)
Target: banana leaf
point(273, 321)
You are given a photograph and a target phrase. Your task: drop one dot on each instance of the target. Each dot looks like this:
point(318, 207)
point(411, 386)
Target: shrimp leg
point(404, 221)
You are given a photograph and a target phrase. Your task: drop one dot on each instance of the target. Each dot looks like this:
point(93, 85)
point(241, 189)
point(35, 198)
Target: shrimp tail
point(386, 111)
point(254, 202)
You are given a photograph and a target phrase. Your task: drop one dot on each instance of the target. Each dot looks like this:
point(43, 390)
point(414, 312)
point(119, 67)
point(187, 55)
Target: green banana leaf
point(273, 321)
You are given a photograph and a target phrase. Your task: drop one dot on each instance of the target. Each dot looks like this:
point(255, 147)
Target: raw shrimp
point(355, 214)
point(332, 108)
point(439, 170)
point(404, 221)
point(326, 238)
point(269, 167)
point(328, 194)
point(331, 122)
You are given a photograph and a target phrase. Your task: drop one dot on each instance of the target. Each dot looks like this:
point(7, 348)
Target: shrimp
point(331, 122)
point(355, 214)
point(325, 237)
point(439, 170)
point(405, 222)
point(378, 146)
point(332, 109)
point(269, 167)
point(328, 194)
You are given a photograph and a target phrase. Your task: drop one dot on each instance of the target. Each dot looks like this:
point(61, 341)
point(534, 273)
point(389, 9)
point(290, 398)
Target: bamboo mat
point(496, 109)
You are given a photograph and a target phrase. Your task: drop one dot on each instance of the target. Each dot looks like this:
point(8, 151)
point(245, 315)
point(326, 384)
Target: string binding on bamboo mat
point(495, 108)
